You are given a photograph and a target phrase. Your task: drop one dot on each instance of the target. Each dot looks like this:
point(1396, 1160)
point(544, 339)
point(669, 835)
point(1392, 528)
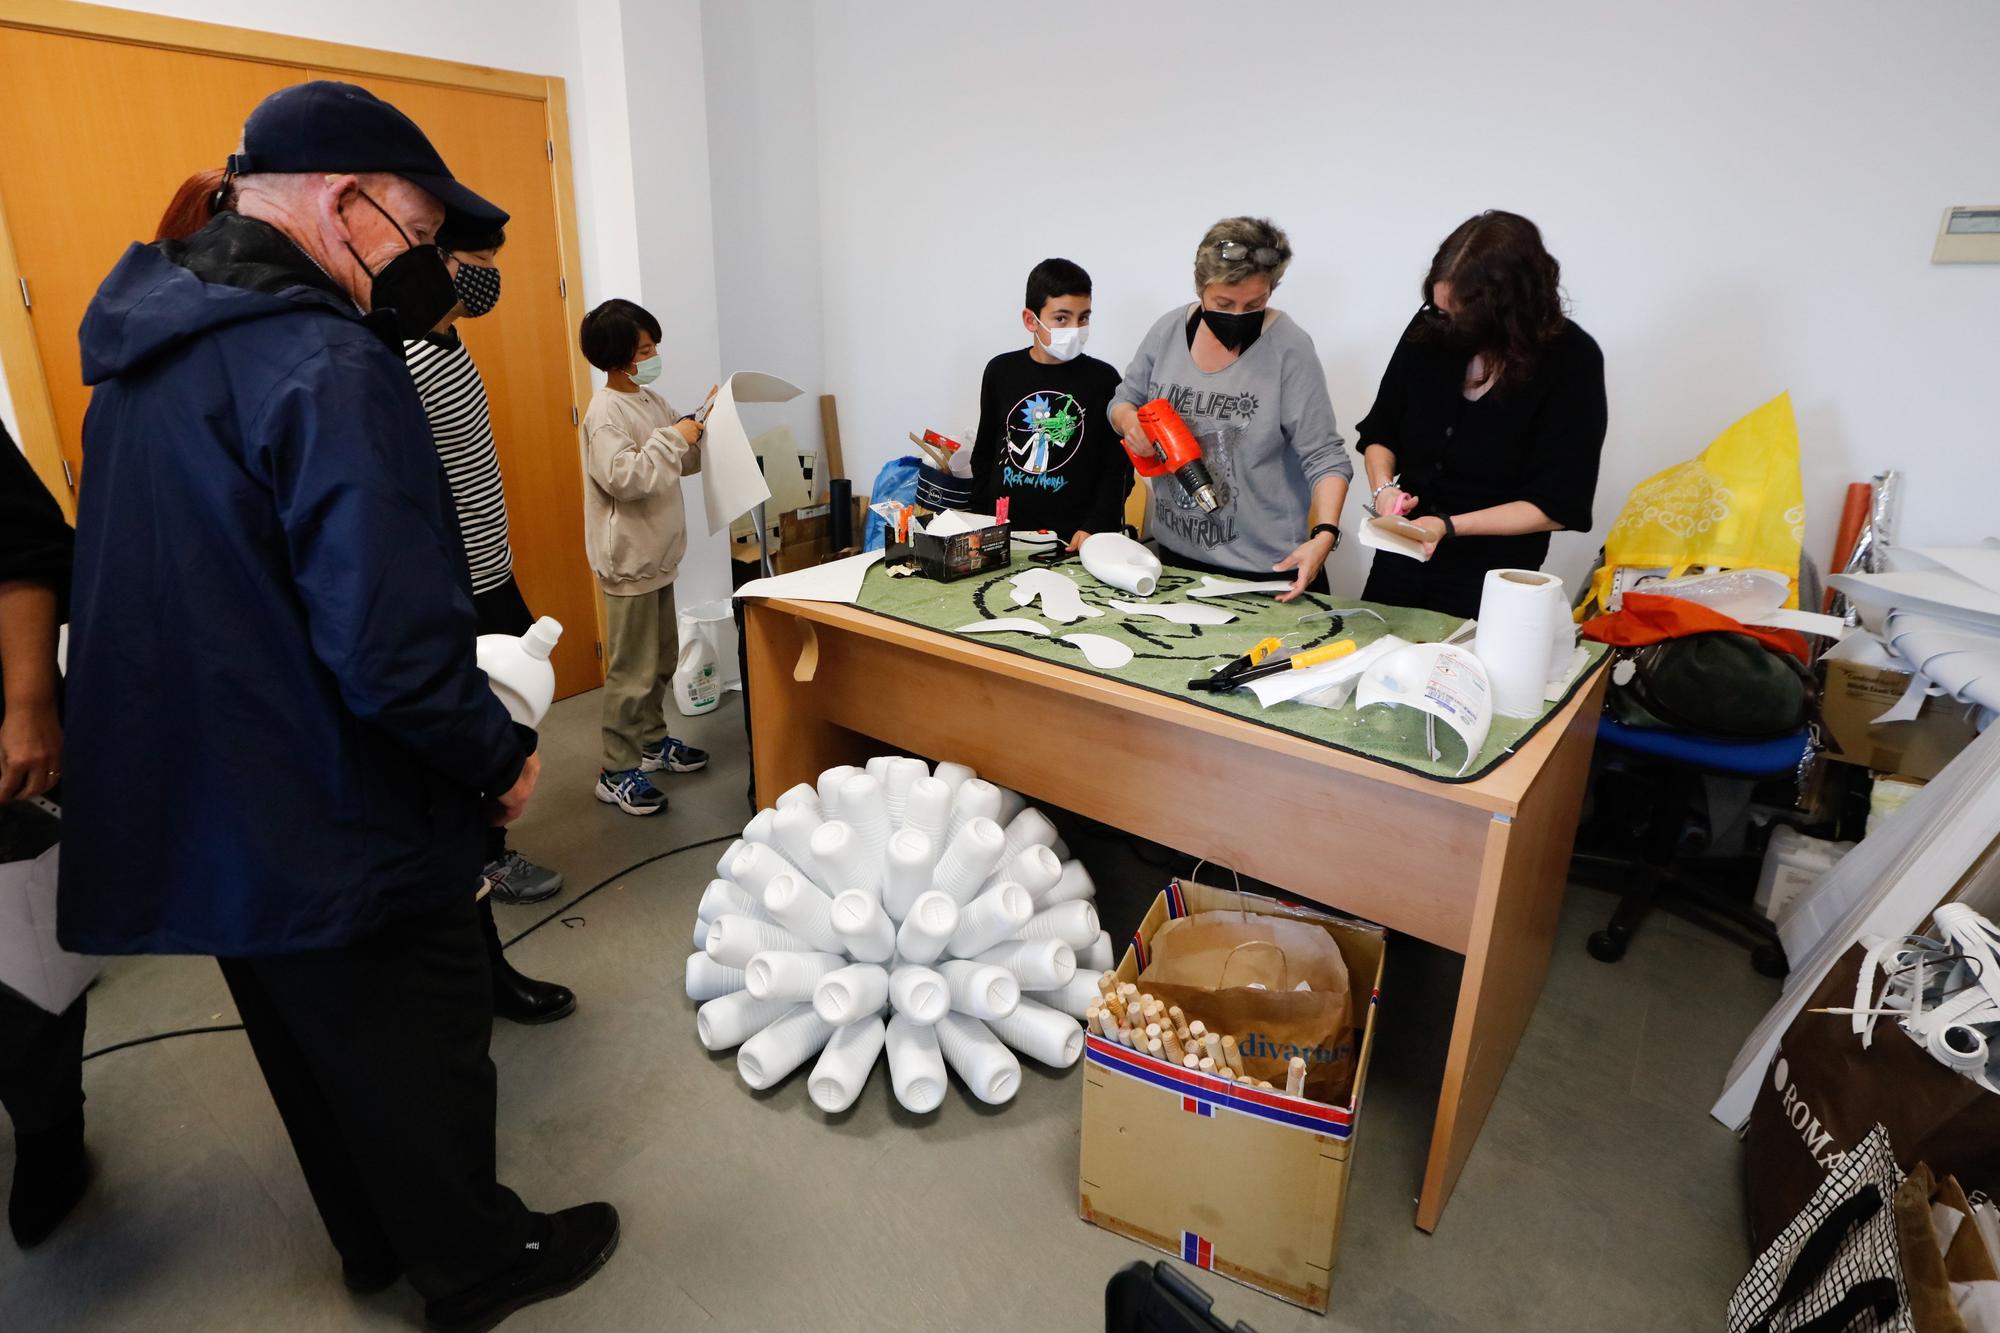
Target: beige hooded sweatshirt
point(635, 527)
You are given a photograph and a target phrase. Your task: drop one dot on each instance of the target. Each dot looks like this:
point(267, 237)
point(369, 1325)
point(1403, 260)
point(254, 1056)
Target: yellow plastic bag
point(1736, 505)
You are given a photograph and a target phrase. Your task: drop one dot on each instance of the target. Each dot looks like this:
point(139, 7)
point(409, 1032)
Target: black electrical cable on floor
point(553, 915)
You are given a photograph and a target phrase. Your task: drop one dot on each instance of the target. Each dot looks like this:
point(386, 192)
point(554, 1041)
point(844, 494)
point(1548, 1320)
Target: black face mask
point(478, 288)
point(415, 286)
point(1234, 331)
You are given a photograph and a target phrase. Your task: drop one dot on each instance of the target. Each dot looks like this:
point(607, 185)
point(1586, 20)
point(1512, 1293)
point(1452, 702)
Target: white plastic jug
point(519, 670)
point(697, 688)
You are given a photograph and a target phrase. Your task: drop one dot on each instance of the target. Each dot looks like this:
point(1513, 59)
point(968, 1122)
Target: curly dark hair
point(1506, 288)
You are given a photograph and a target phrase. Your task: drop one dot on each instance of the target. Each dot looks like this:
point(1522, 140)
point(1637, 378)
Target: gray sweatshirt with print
point(1267, 433)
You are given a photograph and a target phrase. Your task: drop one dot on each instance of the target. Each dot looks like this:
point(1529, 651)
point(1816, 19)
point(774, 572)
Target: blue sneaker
point(672, 755)
point(630, 792)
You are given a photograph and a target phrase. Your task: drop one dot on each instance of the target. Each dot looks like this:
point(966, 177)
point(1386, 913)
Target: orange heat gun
point(1175, 451)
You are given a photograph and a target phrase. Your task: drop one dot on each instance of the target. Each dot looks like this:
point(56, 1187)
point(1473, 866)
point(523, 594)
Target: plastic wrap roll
point(734, 940)
point(759, 828)
point(1074, 923)
point(1075, 999)
point(953, 776)
point(791, 977)
point(829, 789)
point(708, 979)
point(1099, 955)
point(1029, 828)
point(927, 810)
point(907, 864)
point(980, 989)
point(918, 993)
point(864, 928)
point(783, 1046)
point(1520, 613)
point(722, 897)
point(1074, 884)
point(990, 918)
point(968, 859)
point(902, 775)
point(796, 903)
point(757, 865)
point(925, 929)
point(792, 829)
point(916, 1065)
point(804, 794)
point(1037, 964)
point(974, 799)
point(843, 1067)
point(850, 993)
point(1035, 868)
point(981, 1061)
point(729, 1020)
point(1041, 1033)
point(864, 805)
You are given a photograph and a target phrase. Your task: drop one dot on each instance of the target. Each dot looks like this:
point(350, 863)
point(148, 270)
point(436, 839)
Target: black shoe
point(525, 1000)
point(368, 1279)
point(51, 1172)
point(568, 1248)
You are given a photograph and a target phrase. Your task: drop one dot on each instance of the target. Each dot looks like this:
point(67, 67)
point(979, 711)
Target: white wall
point(1743, 198)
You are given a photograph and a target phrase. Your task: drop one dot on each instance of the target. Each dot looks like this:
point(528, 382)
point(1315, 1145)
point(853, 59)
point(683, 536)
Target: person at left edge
point(268, 596)
point(1043, 440)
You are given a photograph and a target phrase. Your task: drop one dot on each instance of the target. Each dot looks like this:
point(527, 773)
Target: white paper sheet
point(731, 482)
point(1215, 587)
point(1388, 534)
point(835, 581)
point(952, 522)
point(1294, 684)
point(1805, 622)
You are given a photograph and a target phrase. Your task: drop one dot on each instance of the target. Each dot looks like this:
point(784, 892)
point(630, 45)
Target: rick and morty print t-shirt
point(1046, 443)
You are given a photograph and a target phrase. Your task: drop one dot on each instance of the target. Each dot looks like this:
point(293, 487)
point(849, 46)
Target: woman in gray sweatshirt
point(1249, 385)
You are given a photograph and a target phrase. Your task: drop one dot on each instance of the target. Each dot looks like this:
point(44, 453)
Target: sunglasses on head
point(1263, 256)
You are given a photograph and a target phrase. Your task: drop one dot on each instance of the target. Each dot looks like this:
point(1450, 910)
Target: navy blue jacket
point(278, 737)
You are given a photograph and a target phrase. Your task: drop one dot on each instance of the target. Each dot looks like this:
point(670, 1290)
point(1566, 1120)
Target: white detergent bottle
point(519, 670)
point(697, 688)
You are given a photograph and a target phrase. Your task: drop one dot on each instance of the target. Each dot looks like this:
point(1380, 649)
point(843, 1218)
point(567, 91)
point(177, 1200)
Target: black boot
point(50, 1173)
point(515, 997)
point(568, 1247)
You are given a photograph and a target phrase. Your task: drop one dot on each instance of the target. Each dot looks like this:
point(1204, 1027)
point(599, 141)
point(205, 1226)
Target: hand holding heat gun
point(1175, 451)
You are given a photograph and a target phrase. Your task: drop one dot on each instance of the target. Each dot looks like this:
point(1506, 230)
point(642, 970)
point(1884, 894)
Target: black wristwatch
point(1450, 528)
point(1318, 528)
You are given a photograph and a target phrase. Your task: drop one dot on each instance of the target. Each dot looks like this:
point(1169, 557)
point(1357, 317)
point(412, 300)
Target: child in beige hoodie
point(636, 450)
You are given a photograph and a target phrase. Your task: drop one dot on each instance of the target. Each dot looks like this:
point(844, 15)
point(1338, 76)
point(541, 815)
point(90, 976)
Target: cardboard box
point(1267, 1213)
point(1857, 694)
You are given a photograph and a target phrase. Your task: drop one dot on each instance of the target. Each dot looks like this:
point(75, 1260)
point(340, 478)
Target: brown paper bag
point(1237, 973)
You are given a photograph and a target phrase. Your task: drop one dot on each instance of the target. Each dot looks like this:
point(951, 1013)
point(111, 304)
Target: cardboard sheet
point(731, 482)
point(835, 581)
point(1398, 536)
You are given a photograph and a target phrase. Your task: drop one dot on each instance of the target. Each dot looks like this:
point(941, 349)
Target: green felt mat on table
point(1167, 656)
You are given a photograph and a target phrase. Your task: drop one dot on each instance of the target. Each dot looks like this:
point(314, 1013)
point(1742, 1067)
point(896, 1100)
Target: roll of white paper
point(796, 903)
point(722, 897)
point(729, 1019)
point(701, 934)
point(1041, 1033)
point(864, 805)
point(979, 1059)
point(708, 979)
point(759, 828)
point(902, 775)
point(793, 828)
point(804, 794)
point(1074, 923)
point(845, 859)
point(918, 993)
point(968, 859)
point(990, 918)
point(916, 1065)
point(829, 789)
point(927, 810)
point(864, 928)
point(953, 776)
point(783, 1046)
point(1038, 964)
point(734, 940)
point(974, 799)
point(1520, 611)
point(850, 993)
point(929, 923)
point(843, 1067)
point(1075, 999)
point(791, 977)
point(1034, 868)
point(980, 989)
point(1011, 803)
point(1029, 828)
point(757, 865)
point(1075, 884)
point(1098, 956)
point(908, 863)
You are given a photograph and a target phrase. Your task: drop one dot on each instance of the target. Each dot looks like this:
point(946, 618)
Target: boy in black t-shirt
point(1044, 438)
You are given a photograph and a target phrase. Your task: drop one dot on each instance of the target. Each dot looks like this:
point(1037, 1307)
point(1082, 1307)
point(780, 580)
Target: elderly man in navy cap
point(272, 614)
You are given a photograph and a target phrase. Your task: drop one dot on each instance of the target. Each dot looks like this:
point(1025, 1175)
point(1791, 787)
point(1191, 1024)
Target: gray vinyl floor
point(1601, 1195)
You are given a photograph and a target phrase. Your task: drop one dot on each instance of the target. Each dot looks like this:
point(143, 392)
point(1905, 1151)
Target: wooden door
point(99, 133)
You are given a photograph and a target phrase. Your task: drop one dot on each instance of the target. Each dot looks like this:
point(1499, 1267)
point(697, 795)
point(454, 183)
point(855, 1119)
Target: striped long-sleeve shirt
point(454, 399)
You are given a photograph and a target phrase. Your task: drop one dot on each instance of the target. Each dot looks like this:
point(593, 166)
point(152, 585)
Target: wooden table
point(1478, 867)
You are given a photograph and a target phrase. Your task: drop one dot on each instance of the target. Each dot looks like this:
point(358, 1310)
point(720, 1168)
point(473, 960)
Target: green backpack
point(1716, 683)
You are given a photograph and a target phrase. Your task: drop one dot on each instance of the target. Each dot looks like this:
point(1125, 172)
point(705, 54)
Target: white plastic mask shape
point(1115, 559)
point(1101, 651)
point(1061, 599)
point(1181, 613)
point(1439, 679)
point(1005, 623)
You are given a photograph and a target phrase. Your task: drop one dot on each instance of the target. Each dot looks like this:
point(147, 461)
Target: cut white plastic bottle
point(517, 667)
point(697, 686)
point(845, 1063)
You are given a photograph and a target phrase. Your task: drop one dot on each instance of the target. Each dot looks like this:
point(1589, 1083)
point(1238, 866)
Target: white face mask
point(1064, 344)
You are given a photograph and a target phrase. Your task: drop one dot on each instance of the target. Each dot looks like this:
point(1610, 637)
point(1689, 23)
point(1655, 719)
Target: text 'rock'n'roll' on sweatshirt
point(634, 524)
point(1267, 433)
point(1046, 443)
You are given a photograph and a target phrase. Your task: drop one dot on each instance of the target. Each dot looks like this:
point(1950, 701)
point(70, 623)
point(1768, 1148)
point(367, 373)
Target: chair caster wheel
point(1605, 947)
point(1769, 960)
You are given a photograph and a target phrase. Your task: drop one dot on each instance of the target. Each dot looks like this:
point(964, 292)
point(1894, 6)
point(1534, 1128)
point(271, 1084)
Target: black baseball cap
point(329, 126)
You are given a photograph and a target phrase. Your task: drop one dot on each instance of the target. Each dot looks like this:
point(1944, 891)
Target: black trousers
point(41, 1063)
point(376, 1055)
point(1448, 586)
point(1178, 561)
point(501, 610)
